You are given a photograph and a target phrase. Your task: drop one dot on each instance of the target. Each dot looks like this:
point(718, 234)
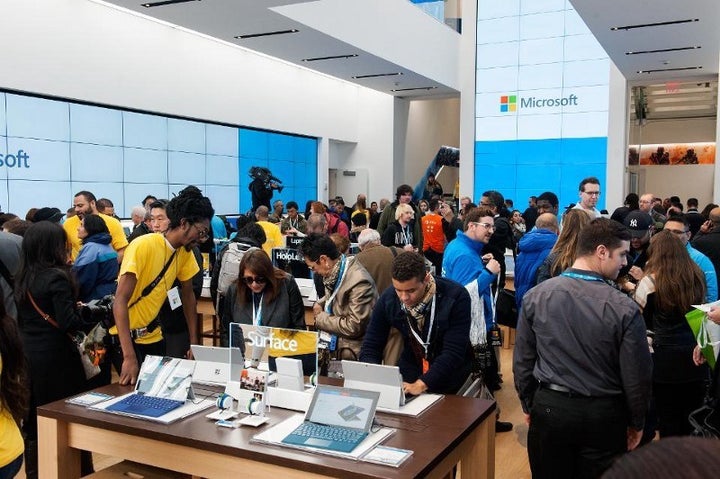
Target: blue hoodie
point(462, 263)
point(96, 267)
point(534, 248)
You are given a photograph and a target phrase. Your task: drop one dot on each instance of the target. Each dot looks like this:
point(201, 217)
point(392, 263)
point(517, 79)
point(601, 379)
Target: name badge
point(174, 298)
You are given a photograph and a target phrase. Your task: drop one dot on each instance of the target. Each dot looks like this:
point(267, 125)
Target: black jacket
point(449, 354)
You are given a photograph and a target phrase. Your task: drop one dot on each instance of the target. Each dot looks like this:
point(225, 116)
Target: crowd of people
point(604, 357)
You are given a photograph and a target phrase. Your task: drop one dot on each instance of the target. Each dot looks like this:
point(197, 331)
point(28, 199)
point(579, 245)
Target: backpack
point(230, 264)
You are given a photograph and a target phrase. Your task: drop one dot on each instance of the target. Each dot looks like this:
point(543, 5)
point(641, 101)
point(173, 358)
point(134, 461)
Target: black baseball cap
point(638, 222)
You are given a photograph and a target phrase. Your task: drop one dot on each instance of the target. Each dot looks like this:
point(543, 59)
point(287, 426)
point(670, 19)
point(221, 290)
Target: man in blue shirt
point(464, 263)
point(679, 225)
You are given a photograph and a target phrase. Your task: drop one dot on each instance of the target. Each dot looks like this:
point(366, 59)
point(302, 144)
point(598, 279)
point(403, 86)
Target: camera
point(99, 310)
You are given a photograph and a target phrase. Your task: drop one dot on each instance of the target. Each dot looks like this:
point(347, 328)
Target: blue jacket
point(534, 248)
point(449, 353)
point(708, 270)
point(96, 267)
point(462, 263)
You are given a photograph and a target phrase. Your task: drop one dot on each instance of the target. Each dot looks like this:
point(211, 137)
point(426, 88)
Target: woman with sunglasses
point(264, 295)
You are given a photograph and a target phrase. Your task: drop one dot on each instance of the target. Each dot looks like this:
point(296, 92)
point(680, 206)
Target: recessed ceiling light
point(658, 24)
point(663, 50)
point(418, 88)
point(334, 57)
point(266, 34)
point(376, 75)
point(670, 69)
point(166, 2)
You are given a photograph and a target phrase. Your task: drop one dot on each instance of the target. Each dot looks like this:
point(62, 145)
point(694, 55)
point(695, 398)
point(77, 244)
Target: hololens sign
point(509, 103)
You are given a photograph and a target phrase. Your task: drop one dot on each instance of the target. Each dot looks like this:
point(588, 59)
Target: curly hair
point(190, 205)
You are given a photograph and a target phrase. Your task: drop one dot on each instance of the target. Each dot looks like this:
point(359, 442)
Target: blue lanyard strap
point(585, 277)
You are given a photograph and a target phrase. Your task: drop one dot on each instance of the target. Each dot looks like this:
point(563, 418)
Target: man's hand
point(633, 438)
point(129, 371)
point(416, 388)
point(493, 266)
point(527, 418)
point(317, 309)
point(636, 272)
point(706, 227)
point(714, 315)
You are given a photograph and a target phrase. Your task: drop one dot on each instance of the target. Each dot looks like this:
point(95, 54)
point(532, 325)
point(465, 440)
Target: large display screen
point(542, 100)
point(51, 149)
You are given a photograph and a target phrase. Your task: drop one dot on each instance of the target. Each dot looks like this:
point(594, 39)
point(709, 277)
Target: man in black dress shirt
point(582, 364)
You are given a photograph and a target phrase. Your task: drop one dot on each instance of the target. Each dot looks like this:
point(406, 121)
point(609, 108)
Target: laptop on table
point(163, 385)
point(338, 419)
point(215, 366)
point(386, 380)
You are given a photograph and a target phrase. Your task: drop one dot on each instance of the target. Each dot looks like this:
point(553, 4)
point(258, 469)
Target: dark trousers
point(674, 403)
point(575, 437)
point(436, 259)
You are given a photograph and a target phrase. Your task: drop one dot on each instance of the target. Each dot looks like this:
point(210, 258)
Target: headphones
point(254, 406)
point(224, 401)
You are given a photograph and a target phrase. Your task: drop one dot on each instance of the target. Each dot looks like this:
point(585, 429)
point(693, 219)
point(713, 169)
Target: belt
point(137, 333)
point(560, 389)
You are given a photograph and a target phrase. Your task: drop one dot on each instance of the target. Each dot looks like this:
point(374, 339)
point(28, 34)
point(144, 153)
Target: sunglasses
point(249, 280)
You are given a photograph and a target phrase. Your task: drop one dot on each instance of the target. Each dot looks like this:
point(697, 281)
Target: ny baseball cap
point(638, 222)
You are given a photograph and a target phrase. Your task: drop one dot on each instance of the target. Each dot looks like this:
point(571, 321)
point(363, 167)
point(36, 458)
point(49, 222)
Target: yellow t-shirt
point(11, 441)
point(273, 236)
point(117, 235)
point(145, 258)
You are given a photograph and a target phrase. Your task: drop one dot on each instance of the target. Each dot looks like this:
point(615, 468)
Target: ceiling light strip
point(334, 57)
point(377, 75)
point(664, 50)
point(658, 24)
point(418, 88)
point(670, 69)
point(266, 34)
point(166, 2)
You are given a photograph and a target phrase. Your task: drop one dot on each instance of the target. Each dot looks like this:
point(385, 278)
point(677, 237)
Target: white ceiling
point(602, 15)
point(225, 19)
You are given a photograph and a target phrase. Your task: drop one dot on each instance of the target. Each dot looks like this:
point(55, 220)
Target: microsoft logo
point(508, 103)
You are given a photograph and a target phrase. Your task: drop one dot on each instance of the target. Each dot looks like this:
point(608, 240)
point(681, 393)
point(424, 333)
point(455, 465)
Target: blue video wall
point(51, 149)
point(542, 100)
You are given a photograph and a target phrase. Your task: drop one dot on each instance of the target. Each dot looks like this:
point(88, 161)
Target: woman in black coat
point(56, 371)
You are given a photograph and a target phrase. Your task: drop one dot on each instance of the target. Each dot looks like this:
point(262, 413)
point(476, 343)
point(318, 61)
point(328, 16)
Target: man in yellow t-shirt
point(84, 204)
point(272, 231)
point(136, 325)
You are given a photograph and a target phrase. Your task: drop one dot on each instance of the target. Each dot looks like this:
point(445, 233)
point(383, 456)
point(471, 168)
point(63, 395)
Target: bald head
point(646, 202)
point(715, 216)
point(316, 223)
point(261, 213)
point(547, 221)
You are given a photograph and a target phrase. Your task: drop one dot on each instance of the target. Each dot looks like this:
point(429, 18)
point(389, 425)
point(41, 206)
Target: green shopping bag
point(697, 321)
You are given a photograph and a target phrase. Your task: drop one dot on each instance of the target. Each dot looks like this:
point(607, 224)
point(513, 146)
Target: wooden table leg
point(56, 459)
point(479, 461)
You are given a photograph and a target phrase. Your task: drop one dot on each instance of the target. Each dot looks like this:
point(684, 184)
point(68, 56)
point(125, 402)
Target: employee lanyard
point(257, 314)
point(426, 343)
point(341, 276)
point(293, 226)
point(585, 277)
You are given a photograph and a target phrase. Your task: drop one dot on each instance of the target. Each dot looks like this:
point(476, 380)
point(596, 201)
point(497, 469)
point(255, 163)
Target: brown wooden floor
point(511, 460)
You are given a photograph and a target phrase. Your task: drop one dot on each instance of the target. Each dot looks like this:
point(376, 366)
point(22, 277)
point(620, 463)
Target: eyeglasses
point(487, 226)
point(202, 233)
point(677, 232)
point(249, 280)
point(592, 193)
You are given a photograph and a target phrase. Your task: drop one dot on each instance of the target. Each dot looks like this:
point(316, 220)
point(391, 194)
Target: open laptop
point(386, 380)
point(163, 385)
point(215, 365)
point(338, 419)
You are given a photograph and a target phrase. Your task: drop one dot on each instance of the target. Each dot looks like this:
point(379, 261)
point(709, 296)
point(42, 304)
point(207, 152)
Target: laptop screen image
point(342, 407)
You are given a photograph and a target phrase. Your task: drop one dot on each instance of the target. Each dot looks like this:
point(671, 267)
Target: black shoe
point(501, 426)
